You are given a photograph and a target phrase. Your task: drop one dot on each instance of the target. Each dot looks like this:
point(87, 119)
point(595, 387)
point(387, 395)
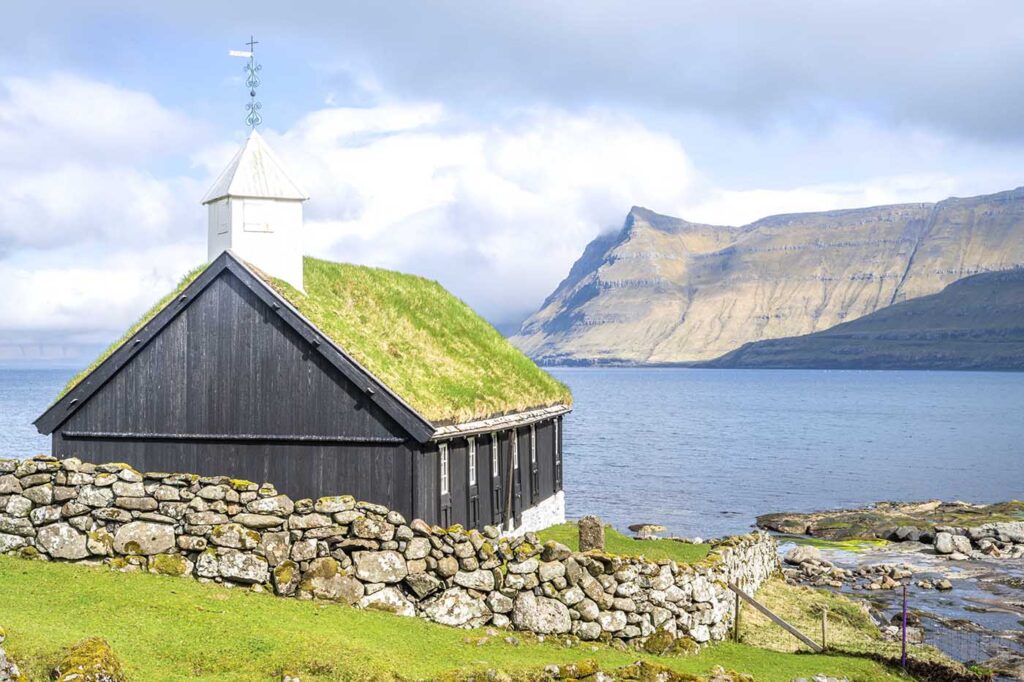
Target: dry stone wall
point(362, 554)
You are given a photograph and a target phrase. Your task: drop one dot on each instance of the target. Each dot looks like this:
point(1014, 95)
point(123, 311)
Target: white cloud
point(92, 227)
point(63, 117)
point(496, 211)
point(73, 296)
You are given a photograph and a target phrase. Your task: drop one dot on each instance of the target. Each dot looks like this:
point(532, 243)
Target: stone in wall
point(358, 553)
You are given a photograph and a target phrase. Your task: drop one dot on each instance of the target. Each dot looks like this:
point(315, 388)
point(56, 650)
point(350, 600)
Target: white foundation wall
point(547, 513)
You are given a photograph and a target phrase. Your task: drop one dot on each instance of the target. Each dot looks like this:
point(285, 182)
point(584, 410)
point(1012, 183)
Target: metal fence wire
point(970, 646)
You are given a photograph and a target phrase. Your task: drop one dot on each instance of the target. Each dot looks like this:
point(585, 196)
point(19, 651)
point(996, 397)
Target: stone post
point(591, 534)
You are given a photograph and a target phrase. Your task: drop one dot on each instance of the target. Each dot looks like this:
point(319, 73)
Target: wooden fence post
point(824, 628)
point(736, 619)
point(814, 646)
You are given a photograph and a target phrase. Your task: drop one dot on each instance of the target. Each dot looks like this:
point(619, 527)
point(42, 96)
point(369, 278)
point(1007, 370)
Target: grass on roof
point(617, 543)
point(425, 344)
point(165, 628)
point(132, 330)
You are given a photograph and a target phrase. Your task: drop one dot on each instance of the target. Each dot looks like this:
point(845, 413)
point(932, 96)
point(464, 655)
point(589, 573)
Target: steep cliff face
point(974, 323)
point(665, 290)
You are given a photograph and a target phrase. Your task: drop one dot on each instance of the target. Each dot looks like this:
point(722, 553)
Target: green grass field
point(617, 543)
point(171, 628)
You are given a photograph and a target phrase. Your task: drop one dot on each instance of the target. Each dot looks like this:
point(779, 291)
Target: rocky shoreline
point(896, 521)
point(959, 563)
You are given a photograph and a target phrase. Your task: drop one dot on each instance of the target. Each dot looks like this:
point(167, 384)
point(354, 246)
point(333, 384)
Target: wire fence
point(970, 646)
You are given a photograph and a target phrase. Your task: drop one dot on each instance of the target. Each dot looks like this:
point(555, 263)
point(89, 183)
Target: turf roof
point(422, 342)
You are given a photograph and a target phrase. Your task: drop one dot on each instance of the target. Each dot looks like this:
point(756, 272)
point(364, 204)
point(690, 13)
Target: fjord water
point(705, 451)
point(24, 394)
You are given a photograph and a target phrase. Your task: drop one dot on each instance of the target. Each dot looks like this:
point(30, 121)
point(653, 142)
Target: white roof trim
point(255, 172)
point(498, 423)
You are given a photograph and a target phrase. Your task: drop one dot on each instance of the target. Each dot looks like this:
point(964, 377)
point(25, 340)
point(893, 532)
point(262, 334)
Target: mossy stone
point(285, 578)
point(659, 642)
point(29, 553)
point(169, 564)
point(524, 551)
point(684, 646)
point(91, 660)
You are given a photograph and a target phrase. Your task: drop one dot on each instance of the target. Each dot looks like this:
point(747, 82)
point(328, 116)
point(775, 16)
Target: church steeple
point(255, 209)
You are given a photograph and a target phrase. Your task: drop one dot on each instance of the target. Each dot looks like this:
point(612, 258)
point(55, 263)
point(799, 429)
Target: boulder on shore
point(803, 554)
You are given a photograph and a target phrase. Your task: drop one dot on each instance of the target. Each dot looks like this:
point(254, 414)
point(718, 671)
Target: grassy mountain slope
point(664, 290)
point(974, 323)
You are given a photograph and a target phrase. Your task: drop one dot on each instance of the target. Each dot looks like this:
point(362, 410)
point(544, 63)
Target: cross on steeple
point(252, 81)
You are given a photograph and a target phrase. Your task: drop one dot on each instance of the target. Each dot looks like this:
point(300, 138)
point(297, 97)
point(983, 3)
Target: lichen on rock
point(91, 660)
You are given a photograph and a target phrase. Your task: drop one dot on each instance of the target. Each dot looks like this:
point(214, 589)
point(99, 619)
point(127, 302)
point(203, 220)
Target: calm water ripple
point(705, 451)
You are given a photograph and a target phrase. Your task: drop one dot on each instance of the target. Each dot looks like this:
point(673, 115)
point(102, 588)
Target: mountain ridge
point(663, 290)
point(974, 323)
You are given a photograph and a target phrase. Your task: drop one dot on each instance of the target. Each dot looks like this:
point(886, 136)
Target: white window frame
point(533, 444)
point(495, 464)
point(472, 460)
point(445, 470)
point(258, 215)
point(515, 450)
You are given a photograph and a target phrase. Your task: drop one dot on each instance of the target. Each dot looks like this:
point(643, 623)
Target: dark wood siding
point(521, 475)
point(459, 470)
point(428, 494)
point(381, 474)
point(546, 458)
point(228, 388)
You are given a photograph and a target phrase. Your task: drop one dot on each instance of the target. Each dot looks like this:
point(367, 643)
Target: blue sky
point(481, 144)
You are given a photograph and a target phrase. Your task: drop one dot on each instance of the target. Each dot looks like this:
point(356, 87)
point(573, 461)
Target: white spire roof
point(255, 172)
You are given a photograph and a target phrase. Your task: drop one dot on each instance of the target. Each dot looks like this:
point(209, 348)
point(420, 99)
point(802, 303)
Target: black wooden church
point(321, 378)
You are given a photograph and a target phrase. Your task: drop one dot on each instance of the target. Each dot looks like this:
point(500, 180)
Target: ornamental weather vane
point(252, 81)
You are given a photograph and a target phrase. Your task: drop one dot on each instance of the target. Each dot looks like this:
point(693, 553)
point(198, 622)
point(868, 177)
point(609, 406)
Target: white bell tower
point(256, 211)
point(255, 208)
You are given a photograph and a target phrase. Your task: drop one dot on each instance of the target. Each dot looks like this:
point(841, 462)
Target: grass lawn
point(172, 628)
point(617, 543)
point(849, 626)
point(848, 622)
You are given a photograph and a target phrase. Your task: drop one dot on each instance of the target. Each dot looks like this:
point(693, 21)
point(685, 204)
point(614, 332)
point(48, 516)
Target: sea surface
point(24, 395)
point(703, 452)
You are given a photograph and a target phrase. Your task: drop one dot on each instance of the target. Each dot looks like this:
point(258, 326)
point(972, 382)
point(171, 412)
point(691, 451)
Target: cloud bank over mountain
point(481, 145)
